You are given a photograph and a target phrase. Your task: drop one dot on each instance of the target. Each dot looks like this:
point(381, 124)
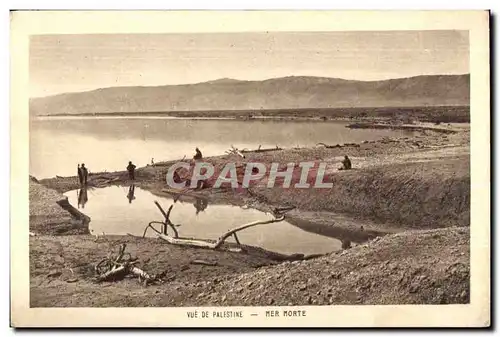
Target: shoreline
point(387, 155)
point(445, 113)
point(422, 128)
point(406, 127)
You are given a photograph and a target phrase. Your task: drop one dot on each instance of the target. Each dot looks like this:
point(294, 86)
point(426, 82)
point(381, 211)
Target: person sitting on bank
point(198, 154)
point(346, 164)
point(131, 170)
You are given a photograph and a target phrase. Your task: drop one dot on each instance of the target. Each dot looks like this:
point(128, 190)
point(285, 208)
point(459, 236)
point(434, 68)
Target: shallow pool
point(123, 209)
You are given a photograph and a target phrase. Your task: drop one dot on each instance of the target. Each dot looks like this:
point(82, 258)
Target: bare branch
point(210, 245)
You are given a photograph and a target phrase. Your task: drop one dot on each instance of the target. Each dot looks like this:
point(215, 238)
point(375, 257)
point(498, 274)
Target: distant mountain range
point(293, 92)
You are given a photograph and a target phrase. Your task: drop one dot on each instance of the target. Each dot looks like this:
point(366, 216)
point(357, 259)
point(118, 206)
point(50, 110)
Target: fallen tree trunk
point(64, 203)
point(330, 146)
point(204, 263)
point(185, 242)
point(103, 182)
point(214, 245)
point(201, 243)
point(251, 224)
point(259, 149)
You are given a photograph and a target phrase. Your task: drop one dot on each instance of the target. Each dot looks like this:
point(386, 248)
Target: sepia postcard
point(250, 169)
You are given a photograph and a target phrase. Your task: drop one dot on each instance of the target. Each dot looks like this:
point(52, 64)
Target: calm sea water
point(108, 144)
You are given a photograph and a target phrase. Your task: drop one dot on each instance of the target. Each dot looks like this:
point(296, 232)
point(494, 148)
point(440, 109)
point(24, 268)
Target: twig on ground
point(116, 268)
point(204, 263)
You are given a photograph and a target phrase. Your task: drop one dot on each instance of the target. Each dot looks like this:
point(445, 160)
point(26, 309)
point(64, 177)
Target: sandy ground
point(424, 267)
point(62, 269)
point(398, 185)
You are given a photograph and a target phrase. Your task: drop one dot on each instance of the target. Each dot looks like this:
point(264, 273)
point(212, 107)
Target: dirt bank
point(413, 195)
point(51, 213)
point(430, 267)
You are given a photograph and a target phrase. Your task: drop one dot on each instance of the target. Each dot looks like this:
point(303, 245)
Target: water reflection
point(111, 213)
point(200, 204)
point(56, 144)
point(82, 197)
point(131, 192)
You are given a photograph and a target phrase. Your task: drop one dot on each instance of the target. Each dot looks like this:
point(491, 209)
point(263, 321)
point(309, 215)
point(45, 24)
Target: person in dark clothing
point(85, 174)
point(198, 154)
point(346, 164)
point(80, 175)
point(131, 170)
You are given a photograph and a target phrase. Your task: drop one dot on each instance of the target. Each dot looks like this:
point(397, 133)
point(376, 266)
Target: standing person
point(85, 174)
point(131, 170)
point(80, 175)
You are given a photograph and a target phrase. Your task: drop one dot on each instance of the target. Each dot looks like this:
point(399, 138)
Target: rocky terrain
point(432, 266)
point(422, 267)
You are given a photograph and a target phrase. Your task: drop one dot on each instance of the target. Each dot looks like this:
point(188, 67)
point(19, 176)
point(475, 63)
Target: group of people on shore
point(83, 173)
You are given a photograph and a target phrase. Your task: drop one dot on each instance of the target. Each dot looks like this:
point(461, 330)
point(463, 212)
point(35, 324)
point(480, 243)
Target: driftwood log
point(213, 245)
point(204, 263)
point(330, 146)
point(102, 181)
point(235, 151)
point(116, 268)
point(200, 243)
point(260, 149)
point(339, 145)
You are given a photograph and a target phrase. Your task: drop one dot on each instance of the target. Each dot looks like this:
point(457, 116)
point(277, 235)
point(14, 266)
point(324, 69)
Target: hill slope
point(278, 93)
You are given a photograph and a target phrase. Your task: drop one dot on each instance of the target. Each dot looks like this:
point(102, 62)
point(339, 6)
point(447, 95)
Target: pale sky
point(72, 63)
